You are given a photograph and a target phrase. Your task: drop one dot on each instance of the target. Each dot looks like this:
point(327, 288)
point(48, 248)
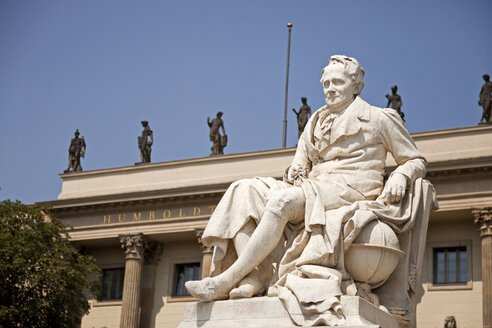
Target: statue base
point(269, 312)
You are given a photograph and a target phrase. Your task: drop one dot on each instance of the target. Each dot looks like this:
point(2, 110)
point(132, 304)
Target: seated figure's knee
point(241, 183)
point(243, 186)
point(288, 203)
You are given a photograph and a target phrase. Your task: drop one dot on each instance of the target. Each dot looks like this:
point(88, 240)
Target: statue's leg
point(251, 284)
point(70, 159)
point(77, 166)
point(283, 206)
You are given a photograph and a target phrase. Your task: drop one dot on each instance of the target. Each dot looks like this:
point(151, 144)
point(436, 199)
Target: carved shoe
point(206, 290)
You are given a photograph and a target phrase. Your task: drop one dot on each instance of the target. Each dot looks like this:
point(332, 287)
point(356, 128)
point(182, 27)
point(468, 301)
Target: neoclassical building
point(143, 225)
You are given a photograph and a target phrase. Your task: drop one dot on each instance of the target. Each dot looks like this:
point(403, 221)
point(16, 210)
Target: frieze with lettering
point(116, 217)
point(149, 215)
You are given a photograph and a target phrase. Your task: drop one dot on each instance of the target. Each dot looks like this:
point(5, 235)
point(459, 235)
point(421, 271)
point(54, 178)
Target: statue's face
point(338, 86)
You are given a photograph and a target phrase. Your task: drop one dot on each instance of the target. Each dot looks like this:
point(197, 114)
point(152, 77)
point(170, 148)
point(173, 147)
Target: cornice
point(471, 169)
point(261, 153)
point(464, 201)
point(138, 198)
point(460, 175)
point(176, 163)
point(451, 131)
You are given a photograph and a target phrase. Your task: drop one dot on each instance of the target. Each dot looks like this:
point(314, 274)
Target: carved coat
point(352, 148)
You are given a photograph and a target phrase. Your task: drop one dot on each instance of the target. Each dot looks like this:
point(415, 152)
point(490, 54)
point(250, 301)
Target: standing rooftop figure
point(75, 151)
point(395, 101)
point(219, 141)
point(303, 115)
point(485, 99)
point(145, 142)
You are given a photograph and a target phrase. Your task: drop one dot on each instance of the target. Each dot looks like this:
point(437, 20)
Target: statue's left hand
point(395, 188)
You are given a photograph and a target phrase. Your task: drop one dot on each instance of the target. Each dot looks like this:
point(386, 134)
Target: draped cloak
point(344, 155)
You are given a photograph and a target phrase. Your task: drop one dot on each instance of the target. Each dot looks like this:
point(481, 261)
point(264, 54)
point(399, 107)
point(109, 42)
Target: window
point(450, 265)
point(112, 284)
point(184, 273)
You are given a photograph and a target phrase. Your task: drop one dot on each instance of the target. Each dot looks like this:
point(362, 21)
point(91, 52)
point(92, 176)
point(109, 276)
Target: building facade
point(143, 225)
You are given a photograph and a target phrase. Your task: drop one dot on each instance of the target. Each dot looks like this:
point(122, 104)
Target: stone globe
point(374, 254)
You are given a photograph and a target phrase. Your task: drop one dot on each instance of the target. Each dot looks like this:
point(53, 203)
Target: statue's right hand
point(296, 171)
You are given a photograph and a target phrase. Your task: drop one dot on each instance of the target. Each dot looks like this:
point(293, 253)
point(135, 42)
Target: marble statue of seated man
point(337, 173)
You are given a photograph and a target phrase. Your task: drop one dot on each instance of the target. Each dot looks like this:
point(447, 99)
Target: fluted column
point(134, 246)
point(207, 253)
point(483, 218)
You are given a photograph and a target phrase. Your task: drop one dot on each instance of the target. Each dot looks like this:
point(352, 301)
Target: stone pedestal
point(483, 218)
point(134, 246)
point(268, 312)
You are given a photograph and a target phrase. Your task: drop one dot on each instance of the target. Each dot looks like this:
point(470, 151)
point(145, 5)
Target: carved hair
point(353, 69)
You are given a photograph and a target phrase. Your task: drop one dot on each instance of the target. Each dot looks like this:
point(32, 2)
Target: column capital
point(483, 218)
point(134, 245)
point(205, 249)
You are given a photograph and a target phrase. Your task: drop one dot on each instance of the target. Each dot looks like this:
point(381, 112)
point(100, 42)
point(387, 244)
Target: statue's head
point(342, 80)
point(449, 322)
point(77, 133)
point(486, 77)
point(145, 123)
point(394, 89)
point(219, 114)
point(304, 100)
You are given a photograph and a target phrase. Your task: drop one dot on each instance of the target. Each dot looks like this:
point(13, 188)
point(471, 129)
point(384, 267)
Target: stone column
point(483, 218)
point(134, 246)
point(206, 254)
point(149, 271)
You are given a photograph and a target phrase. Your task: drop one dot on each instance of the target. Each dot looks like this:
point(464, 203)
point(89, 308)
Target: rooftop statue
point(76, 150)
point(316, 224)
point(219, 141)
point(303, 115)
point(394, 100)
point(450, 322)
point(145, 142)
point(485, 99)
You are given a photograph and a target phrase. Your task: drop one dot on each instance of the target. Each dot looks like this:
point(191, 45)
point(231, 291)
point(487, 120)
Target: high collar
point(349, 122)
point(361, 108)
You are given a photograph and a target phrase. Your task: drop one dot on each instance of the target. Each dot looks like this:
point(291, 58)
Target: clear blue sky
point(103, 66)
